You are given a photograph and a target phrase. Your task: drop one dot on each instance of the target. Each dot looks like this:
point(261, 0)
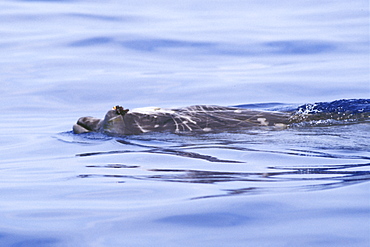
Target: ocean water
point(63, 59)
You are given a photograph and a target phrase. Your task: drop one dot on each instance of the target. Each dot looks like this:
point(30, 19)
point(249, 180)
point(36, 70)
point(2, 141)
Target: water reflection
point(16, 240)
point(100, 17)
point(276, 180)
point(92, 41)
point(161, 150)
point(156, 44)
point(51, 1)
point(220, 219)
point(113, 166)
point(300, 47)
point(178, 150)
point(273, 178)
point(283, 47)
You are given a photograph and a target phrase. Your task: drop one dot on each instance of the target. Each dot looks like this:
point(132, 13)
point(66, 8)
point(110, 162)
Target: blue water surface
point(301, 186)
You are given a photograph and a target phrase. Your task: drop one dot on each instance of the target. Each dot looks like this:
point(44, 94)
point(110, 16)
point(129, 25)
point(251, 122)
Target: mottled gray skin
point(189, 119)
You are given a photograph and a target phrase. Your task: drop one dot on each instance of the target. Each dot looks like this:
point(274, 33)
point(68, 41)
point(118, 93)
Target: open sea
point(308, 185)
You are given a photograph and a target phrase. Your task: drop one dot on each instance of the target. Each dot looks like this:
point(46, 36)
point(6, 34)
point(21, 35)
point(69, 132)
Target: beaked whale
point(208, 118)
point(198, 118)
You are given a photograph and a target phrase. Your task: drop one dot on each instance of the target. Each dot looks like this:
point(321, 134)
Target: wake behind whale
point(204, 118)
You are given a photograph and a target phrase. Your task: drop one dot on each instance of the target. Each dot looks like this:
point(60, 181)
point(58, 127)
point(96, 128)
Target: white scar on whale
point(211, 118)
point(198, 118)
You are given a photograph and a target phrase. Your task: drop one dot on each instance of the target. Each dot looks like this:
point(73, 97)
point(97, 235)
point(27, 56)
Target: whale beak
point(86, 124)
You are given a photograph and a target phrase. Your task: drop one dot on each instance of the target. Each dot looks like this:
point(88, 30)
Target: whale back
point(199, 118)
point(208, 118)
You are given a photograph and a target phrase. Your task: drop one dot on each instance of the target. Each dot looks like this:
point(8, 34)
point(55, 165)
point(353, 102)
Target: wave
point(336, 112)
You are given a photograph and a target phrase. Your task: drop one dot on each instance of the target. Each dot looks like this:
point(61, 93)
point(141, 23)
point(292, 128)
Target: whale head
point(113, 123)
point(87, 124)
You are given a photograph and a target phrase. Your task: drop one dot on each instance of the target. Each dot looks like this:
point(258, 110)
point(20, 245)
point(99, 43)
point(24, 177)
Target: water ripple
point(234, 176)
point(278, 179)
point(285, 47)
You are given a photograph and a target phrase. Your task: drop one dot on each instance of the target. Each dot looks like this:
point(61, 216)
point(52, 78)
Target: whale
point(198, 118)
point(211, 118)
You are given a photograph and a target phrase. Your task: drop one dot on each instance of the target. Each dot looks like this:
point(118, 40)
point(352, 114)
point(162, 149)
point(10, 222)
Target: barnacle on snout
point(120, 110)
